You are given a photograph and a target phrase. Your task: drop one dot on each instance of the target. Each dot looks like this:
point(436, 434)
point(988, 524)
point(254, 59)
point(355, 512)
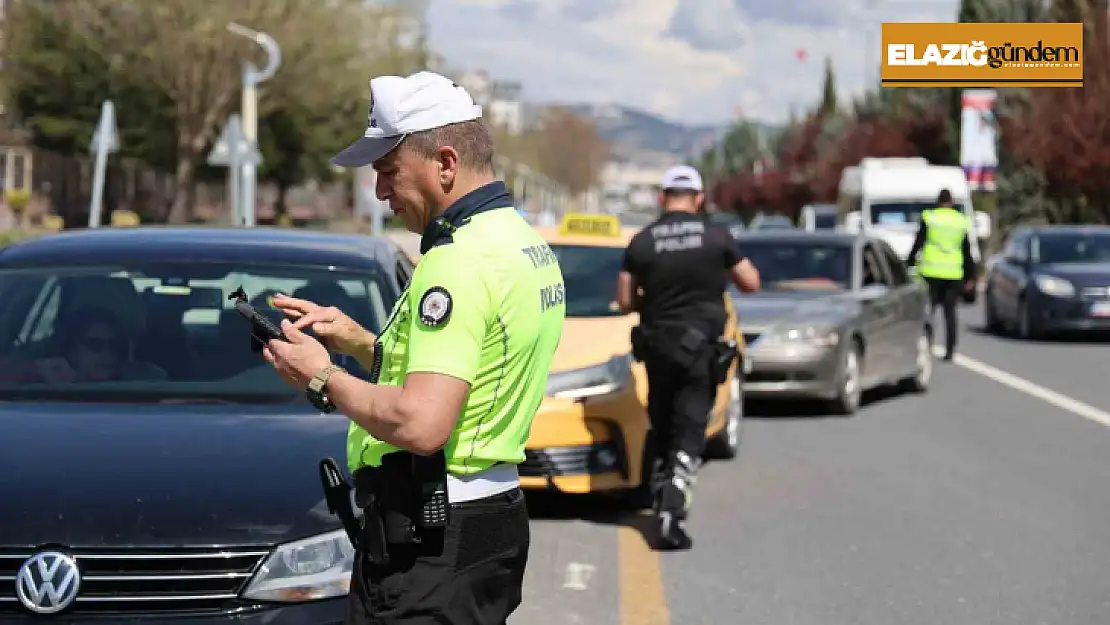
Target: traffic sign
point(233, 149)
point(106, 136)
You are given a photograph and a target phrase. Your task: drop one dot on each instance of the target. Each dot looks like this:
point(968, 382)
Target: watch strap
point(320, 380)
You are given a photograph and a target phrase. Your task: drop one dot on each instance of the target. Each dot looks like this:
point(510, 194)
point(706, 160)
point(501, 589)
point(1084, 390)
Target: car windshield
point(800, 266)
point(153, 333)
point(590, 276)
point(1073, 247)
point(895, 213)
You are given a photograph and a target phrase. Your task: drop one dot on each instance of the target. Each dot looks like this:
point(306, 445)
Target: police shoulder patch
point(435, 306)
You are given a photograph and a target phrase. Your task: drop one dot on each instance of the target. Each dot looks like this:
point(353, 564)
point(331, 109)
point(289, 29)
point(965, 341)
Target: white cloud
point(692, 60)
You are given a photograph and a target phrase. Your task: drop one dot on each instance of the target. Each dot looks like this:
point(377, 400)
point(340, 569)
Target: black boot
point(672, 506)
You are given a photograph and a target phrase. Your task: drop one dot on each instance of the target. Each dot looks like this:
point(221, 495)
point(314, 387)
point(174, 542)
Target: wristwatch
point(315, 391)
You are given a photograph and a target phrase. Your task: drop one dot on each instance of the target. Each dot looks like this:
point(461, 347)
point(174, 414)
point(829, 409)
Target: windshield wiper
point(195, 400)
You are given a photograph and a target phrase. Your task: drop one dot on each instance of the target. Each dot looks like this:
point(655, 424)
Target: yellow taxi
point(591, 432)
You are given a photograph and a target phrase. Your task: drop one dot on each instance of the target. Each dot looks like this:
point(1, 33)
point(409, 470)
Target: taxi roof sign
point(590, 225)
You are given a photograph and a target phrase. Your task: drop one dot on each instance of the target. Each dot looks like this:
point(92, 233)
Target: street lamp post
point(252, 77)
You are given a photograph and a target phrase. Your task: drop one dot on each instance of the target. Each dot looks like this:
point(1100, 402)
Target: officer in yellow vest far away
point(456, 375)
point(945, 262)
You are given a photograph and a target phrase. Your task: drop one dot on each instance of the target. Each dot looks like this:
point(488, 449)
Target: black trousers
point(946, 294)
point(679, 402)
point(471, 573)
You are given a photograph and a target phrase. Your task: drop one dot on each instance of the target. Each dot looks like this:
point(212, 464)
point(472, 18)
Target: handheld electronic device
point(262, 329)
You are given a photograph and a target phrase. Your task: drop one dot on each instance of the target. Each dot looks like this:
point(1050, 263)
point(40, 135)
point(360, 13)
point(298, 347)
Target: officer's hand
point(297, 360)
point(336, 330)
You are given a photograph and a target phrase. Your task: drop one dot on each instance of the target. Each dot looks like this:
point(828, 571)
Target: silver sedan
point(838, 314)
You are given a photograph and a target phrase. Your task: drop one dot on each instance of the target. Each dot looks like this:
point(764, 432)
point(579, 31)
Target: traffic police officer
point(682, 264)
point(457, 373)
point(944, 242)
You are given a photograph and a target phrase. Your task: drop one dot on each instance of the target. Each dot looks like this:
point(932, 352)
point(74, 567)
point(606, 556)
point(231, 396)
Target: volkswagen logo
point(47, 583)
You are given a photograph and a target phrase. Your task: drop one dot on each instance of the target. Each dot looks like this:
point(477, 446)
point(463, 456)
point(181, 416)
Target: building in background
point(479, 85)
point(631, 184)
point(506, 106)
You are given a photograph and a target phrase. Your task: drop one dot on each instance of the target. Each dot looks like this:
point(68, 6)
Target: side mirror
point(873, 292)
point(982, 225)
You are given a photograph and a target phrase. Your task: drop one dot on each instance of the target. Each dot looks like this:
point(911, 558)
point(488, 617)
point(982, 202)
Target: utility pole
point(252, 77)
point(105, 141)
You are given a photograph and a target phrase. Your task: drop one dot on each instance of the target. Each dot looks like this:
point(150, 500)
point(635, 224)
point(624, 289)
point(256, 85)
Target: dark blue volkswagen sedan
point(152, 467)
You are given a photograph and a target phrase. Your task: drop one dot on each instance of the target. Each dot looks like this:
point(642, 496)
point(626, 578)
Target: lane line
point(643, 601)
point(1032, 389)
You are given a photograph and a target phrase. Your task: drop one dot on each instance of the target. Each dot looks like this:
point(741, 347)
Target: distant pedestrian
point(944, 243)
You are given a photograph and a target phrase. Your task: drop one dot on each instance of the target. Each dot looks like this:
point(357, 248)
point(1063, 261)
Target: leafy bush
point(7, 237)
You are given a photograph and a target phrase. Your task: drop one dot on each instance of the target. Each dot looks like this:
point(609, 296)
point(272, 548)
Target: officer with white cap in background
point(674, 274)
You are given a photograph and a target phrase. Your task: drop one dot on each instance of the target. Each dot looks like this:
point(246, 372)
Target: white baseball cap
point(400, 106)
point(682, 178)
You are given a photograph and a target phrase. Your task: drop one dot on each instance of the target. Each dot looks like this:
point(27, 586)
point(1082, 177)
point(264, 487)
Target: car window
point(1017, 248)
point(892, 213)
point(824, 221)
point(140, 332)
point(899, 276)
point(873, 271)
point(800, 265)
point(1073, 247)
point(590, 276)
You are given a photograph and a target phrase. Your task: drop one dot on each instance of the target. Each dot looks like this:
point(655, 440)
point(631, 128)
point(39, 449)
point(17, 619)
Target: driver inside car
point(92, 346)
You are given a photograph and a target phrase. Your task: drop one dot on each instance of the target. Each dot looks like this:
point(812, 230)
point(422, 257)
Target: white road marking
point(1049, 396)
point(578, 576)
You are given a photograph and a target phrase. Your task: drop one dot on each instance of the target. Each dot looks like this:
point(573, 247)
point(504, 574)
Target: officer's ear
point(699, 201)
point(447, 160)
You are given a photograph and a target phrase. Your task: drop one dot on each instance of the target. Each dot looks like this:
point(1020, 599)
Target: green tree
point(828, 91)
point(174, 62)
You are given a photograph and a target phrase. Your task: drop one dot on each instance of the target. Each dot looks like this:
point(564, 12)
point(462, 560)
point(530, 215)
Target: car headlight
point(1056, 287)
point(819, 335)
point(602, 379)
point(305, 570)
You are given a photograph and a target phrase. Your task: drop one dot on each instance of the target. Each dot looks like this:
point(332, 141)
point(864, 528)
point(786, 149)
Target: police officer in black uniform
point(674, 274)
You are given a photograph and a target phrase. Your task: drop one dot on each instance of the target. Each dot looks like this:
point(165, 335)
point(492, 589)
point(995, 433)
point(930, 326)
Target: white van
point(886, 196)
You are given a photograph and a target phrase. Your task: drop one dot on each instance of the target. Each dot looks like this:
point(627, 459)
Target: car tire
point(923, 373)
point(990, 315)
point(849, 380)
point(726, 444)
point(1026, 328)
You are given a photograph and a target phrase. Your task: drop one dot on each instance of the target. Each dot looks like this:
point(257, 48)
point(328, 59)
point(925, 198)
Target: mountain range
point(630, 131)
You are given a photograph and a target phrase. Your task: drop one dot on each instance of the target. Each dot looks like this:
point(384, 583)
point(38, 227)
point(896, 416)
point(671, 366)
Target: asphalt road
point(981, 502)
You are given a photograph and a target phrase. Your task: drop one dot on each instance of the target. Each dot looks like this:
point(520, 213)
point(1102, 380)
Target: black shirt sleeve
point(633, 259)
point(918, 243)
point(729, 248)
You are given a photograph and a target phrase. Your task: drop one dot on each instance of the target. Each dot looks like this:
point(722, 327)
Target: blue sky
point(688, 60)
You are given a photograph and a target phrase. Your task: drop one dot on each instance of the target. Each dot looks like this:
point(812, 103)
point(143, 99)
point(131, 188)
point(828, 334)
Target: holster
point(683, 346)
point(396, 498)
point(337, 494)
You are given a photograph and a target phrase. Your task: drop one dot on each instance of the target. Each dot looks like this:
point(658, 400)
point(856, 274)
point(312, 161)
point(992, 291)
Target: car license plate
point(1100, 309)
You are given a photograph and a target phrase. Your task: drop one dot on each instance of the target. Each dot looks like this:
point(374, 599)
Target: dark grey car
point(838, 314)
point(1050, 279)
